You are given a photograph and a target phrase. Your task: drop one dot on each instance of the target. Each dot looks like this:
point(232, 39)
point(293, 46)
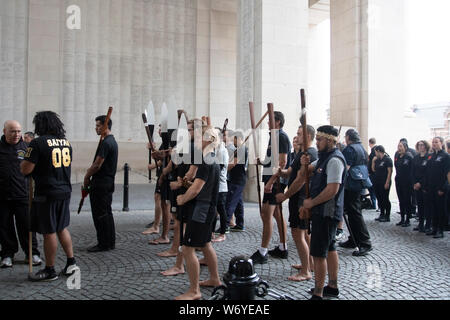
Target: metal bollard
point(126, 170)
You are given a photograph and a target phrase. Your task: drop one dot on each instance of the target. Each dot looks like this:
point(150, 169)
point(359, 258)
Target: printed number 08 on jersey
point(61, 157)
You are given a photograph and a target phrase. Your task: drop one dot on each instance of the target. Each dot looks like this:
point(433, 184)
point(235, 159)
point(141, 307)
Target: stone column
point(272, 65)
point(13, 61)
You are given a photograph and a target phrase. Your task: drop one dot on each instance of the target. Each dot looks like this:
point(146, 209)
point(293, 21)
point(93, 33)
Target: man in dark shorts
point(204, 190)
point(14, 197)
point(327, 207)
point(100, 178)
point(49, 159)
point(296, 195)
point(270, 208)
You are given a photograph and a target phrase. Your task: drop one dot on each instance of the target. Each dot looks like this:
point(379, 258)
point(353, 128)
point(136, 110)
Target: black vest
point(334, 208)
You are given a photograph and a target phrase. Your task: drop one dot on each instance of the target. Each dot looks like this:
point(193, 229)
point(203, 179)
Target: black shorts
point(270, 197)
point(163, 190)
point(197, 234)
point(294, 218)
point(49, 216)
point(185, 211)
point(323, 235)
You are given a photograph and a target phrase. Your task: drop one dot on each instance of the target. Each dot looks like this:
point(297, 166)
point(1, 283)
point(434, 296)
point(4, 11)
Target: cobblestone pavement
point(403, 265)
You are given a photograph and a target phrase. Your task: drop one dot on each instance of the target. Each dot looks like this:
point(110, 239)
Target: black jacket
point(13, 185)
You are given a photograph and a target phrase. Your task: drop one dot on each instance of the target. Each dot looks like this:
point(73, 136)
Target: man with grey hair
point(13, 197)
point(358, 179)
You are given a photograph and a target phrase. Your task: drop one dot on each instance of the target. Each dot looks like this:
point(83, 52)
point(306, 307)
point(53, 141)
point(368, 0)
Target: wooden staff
point(85, 189)
point(150, 140)
point(256, 126)
point(30, 233)
point(305, 214)
point(255, 145)
point(274, 146)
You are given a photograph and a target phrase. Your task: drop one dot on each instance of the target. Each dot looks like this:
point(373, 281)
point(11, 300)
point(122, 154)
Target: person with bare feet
point(205, 191)
point(296, 195)
point(154, 229)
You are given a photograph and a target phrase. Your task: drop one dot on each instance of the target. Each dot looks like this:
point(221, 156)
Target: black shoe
point(328, 292)
point(258, 258)
point(385, 219)
point(43, 275)
point(400, 223)
point(431, 233)
point(278, 253)
point(227, 230)
point(438, 235)
point(380, 217)
point(362, 251)
point(314, 297)
point(406, 224)
point(349, 244)
point(237, 228)
point(97, 248)
point(68, 270)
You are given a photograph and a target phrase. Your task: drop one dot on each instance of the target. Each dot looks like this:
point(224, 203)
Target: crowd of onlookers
point(421, 180)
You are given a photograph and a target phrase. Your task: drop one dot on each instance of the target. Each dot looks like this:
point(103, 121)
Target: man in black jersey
point(48, 159)
point(100, 178)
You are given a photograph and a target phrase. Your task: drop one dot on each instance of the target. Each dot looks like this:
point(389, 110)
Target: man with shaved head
point(14, 197)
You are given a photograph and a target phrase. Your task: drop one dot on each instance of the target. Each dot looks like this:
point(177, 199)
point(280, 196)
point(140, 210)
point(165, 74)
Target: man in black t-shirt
point(204, 190)
point(100, 179)
point(49, 160)
point(296, 195)
point(270, 208)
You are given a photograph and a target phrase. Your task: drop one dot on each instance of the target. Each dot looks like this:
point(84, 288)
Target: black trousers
point(101, 199)
point(221, 209)
point(11, 210)
point(438, 210)
point(404, 194)
point(420, 207)
point(352, 208)
point(383, 198)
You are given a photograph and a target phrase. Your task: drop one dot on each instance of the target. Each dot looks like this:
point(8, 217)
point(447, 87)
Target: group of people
point(421, 181)
point(205, 183)
point(35, 192)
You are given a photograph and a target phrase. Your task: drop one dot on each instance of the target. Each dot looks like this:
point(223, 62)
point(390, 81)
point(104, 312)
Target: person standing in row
point(403, 182)
point(372, 155)
point(358, 177)
point(100, 178)
point(438, 168)
point(382, 174)
point(49, 160)
point(327, 208)
point(419, 168)
point(14, 197)
point(296, 195)
point(270, 208)
point(204, 190)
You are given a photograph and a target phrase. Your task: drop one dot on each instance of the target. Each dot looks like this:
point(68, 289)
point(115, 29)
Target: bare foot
point(300, 277)
point(297, 266)
point(173, 271)
point(189, 296)
point(151, 231)
point(166, 254)
point(159, 241)
point(210, 283)
point(219, 238)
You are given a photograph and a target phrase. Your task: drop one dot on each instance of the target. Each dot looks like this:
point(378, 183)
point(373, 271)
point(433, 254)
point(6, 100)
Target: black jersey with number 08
point(52, 158)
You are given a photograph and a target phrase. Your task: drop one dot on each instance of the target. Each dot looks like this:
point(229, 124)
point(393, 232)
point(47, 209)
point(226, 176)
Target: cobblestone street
point(403, 265)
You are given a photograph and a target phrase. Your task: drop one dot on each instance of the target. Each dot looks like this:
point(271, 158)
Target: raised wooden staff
point(255, 144)
point(305, 214)
point(274, 146)
point(85, 189)
point(30, 232)
point(256, 126)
